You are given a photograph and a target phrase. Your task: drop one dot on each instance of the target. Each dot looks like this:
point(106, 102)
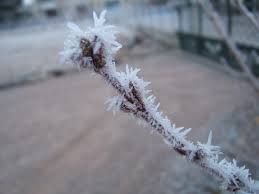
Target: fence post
point(200, 20)
point(180, 27)
point(200, 24)
point(180, 19)
point(229, 18)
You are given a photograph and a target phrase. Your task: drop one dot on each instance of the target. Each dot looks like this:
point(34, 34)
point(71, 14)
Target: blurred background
point(56, 136)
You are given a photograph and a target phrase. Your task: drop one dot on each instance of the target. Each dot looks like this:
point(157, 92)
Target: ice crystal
point(106, 34)
point(114, 103)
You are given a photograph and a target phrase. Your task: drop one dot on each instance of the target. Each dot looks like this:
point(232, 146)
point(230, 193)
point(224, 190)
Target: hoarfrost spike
point(157, 106)
point(209, 138)
point(178, 129)
point(98, 22)
point(73, 27)
point(185, 132)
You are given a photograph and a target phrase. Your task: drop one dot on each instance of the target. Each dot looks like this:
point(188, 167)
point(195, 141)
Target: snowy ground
point(29, 51)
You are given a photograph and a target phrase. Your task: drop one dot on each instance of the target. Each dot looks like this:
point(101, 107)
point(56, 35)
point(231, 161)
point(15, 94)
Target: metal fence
point(195, 31)
point(155, 17)
point(197, 34)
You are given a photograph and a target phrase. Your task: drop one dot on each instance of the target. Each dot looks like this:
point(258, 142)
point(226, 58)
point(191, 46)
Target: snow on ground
point(29, 51)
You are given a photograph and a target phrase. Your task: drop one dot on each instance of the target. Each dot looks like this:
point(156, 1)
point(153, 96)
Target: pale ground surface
point(57, 138)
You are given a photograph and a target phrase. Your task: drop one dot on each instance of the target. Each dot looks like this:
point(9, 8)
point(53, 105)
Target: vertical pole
point(180, 27)
point(200, 22)
point(190, 11)
point(180, 19)
point(200, 19)
point(229, 18)
point(254, 7)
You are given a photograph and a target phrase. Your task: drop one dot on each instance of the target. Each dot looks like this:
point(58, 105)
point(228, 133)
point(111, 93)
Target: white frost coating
point(105, 33)
point(114, 103)
point(134, 98)
point(71, 45)
point(130, 75)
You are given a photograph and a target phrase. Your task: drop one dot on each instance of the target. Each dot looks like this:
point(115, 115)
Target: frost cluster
point(106, 34)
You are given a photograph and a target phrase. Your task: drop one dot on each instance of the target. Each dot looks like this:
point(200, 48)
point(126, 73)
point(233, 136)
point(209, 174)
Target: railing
point(197, 34)
point(146, 16)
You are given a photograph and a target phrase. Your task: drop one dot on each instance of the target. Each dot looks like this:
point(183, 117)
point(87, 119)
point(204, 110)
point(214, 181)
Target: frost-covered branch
point(219, 27)
point(248, 14)
point(94, 49)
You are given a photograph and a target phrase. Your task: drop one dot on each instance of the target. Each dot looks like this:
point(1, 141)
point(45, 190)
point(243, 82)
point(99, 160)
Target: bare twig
point(214, 17)
point(94, 49)
point(248, 14)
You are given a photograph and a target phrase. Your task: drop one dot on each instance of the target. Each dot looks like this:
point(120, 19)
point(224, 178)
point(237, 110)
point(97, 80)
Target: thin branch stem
point(212, 14)
point(248, 14)
point(93, 50)
point(134, 104)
